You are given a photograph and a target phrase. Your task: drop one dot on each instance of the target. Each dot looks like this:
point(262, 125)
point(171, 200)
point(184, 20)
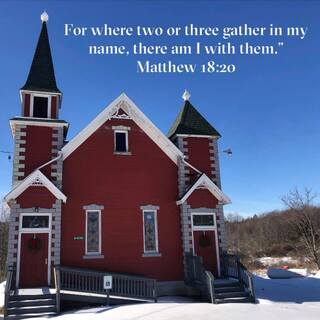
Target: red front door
point(205, 247)
point(33, 260)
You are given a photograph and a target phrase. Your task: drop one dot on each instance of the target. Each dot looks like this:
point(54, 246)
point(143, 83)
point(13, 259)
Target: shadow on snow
point(295, 290)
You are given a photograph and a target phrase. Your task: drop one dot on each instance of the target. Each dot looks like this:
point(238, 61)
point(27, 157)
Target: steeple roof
point(41, 75)
point(190, 121)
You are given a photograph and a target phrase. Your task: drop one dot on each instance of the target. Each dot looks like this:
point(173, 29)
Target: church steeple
point(41, 75)
point(40, 96)
point(190, 122)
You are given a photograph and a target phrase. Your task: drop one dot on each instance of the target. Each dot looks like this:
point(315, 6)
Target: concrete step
point(30, 315)
point(31, 297)
point(31, 310)
point(228, 289)
point(27, 303)
point(225, 283)
point(227, 295)
point(235, 300)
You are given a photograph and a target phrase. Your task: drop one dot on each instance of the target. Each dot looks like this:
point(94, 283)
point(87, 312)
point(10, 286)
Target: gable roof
point(204, 182)
point(41, 75)
point(36, 178)
point(131, 109)
point(190, 121)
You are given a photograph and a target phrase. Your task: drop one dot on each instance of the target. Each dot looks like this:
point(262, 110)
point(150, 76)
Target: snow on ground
point(293, 299)
point(2, 287)
point(268, 261)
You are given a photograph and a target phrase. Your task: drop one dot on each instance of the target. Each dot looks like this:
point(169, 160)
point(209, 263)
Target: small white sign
point(107, 282)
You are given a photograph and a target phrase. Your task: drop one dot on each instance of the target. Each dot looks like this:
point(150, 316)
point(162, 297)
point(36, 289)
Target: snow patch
point(268, 261)
point(2, 288)
point(294, 299)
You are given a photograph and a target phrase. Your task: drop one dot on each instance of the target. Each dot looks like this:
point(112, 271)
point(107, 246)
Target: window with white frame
point(32, 221)
point(93, 232)
point(121, 141)
point(150, 231)
point(203, 221)
point(35, 222)
point(41, 106)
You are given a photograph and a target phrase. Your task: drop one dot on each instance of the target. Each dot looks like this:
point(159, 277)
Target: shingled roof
point(190, 121)
point(41, 75)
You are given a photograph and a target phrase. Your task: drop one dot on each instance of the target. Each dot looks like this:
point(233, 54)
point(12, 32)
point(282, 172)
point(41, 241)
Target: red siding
point(202, 198)
point(92, 174)
point(53, 107)
point(38, 148)
point(199, 156)
point(36, 197)
point(26, 109)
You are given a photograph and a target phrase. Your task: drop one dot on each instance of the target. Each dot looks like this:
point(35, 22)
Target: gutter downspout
point(52, 160)
point(191, 166)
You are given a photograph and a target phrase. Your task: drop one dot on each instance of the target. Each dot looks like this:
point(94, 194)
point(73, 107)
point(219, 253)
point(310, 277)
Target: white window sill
point(151, 254)
point(93, 256)
point(128, 153)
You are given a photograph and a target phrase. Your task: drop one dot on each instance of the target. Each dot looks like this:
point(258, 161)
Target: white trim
point(43, 92)
point(27, 121)
point(86, 251)
point(115, 140)
point(36, 177)
point(52, 94)
point(199, 228)
point(35, 230)
point(205, 182)
point(121, 128)
point(42, 95)
point(31, 122)
point(145, 252)
point(209, 228)
point(124, 102)
point(195, 136)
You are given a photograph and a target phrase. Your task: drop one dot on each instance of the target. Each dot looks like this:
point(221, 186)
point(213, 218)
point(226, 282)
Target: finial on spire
point(44, 16)
point(186, 95)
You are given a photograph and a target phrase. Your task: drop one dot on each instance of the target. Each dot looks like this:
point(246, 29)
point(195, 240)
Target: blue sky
point(267, 112)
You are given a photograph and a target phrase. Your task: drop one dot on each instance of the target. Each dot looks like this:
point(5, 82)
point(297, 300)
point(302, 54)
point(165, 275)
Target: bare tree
point(305, 221)
point(4, 227)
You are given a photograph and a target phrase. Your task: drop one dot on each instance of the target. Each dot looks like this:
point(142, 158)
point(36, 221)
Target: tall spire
point(41, 75)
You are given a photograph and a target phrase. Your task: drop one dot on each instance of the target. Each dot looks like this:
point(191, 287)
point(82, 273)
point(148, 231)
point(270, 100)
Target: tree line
point(293, 232)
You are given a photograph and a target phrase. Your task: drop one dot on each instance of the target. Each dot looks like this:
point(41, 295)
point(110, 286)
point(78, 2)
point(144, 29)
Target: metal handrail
point(235, 268)
point(75, 279)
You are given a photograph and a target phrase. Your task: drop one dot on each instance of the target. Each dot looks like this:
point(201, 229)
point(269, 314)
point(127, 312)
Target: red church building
point(120, 197)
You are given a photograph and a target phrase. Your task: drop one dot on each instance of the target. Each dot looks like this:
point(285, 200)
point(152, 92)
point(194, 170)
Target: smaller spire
point(44, 16)
point(186, 95)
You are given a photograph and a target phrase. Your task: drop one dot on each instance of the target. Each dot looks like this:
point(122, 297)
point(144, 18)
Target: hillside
point(275, 234)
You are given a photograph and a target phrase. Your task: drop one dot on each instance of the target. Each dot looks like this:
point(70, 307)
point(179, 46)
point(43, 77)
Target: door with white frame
point(205, 240)
point(34, 250)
